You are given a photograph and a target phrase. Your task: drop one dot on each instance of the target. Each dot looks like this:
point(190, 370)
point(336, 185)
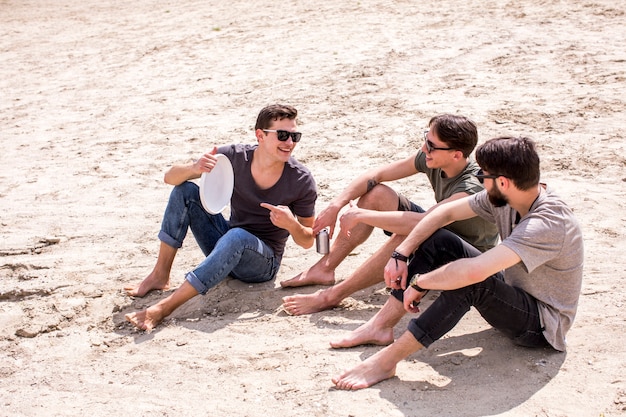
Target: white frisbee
point(216, 187)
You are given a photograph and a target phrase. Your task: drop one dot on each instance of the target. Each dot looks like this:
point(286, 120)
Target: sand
point(98, 99)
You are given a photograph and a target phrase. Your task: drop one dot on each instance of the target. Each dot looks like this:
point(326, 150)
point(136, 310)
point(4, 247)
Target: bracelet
point(413, 283)
point(399, 256)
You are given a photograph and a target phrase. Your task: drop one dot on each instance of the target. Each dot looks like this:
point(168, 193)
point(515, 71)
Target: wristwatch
point(413, 283)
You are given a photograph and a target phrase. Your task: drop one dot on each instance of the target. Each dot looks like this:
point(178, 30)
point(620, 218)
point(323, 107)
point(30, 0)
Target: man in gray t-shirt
point(548, 242)
point(527, 286)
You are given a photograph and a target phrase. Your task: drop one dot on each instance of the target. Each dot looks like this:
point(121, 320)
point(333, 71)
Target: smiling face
point(270, 144)
point(436, 158)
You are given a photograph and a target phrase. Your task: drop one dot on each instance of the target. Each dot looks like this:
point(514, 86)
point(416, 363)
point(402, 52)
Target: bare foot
point(312, 276)
point(146, 319)
point(299, 304)
point(366, 334)
point(151, 282)
point(365, 374)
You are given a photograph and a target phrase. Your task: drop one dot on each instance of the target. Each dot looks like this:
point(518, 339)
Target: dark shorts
point(404, 204)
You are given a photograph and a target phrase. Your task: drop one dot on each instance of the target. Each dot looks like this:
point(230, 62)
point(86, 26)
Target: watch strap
point(413, 283)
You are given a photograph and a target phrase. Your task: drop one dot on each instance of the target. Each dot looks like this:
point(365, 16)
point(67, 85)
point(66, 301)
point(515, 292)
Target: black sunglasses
point(481, 176)
point(283, 135)
point(430, 147)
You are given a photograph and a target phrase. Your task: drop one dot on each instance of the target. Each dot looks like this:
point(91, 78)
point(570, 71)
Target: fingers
point(275, 209)
point(207, 162)
point(331, 231)
point(412, 300)
point(412, 307)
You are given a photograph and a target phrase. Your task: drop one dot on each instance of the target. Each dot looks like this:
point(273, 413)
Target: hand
point(412, 298)
point(396, 273)
point(206, 162)
point(349, 218)
point(280, 216)
point(326, 219)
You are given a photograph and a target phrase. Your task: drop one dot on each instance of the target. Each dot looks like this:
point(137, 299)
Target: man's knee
point(381, 198)
point(184, 191)
point(444, 243)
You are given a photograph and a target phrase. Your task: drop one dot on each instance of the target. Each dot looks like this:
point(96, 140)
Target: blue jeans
point(229, 251)
point(508, 309)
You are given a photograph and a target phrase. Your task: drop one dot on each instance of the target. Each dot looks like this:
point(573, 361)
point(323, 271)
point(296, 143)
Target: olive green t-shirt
point(476, 231)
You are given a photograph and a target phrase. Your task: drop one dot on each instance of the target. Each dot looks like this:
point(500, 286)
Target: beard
point(496, 197)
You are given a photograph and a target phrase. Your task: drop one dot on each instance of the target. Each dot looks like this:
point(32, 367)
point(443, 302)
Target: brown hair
point(458, 132)
point(274, 112)
point(511, 157)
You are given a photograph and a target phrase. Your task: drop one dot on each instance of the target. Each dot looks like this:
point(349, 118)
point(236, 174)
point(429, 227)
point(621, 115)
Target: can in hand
point(322, 242)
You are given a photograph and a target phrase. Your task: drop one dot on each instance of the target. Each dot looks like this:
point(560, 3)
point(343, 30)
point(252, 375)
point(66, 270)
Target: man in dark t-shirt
point(273, 197)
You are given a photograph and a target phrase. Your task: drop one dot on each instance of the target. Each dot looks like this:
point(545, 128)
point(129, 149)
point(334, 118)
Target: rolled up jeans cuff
point(196, 283)
point(419, 334)
point(398, 294)
point(168, 240)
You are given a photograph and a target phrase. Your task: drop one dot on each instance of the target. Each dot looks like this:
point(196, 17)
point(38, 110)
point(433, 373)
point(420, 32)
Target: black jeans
point(508, 309)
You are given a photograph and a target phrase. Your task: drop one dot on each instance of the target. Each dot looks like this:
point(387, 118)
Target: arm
point(438, 217)
point(302, 233)
point(398, 222)
point(300, 228)
point(178, 174)
point(361, 185)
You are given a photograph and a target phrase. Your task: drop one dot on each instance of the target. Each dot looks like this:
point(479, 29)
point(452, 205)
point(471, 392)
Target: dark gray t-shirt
point(549, 242)
point(295, 189)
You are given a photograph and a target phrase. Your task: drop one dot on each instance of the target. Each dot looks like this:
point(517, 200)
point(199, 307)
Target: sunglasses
point(481, 176)
point(283, 135)
point(430, 147)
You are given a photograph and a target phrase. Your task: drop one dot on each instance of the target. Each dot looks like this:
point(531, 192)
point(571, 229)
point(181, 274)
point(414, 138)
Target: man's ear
point(260, 135)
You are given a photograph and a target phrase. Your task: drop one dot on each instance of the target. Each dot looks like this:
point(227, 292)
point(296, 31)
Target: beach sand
point(98, 99)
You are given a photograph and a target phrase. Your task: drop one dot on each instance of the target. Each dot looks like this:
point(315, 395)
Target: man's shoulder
point(237, 150)
point(466, 180)
point(472, 166)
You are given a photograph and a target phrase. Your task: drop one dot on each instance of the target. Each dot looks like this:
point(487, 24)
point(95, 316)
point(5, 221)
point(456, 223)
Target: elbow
point(168, 179)
point(474, 273)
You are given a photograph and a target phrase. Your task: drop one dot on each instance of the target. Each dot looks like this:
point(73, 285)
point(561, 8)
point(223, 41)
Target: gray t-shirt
point(295, 189)
point(549, 242)
point(476, 231)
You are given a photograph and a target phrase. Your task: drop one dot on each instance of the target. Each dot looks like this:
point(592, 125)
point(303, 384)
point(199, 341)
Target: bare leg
point(323, 271)
point(366, 275)
point(380, 198)
point(147, 319)
point(378, 367)
point(376, 331)
point(159, 278)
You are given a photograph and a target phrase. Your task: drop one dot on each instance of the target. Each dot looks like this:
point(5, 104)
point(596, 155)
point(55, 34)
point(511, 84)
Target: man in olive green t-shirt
point(445, 159)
